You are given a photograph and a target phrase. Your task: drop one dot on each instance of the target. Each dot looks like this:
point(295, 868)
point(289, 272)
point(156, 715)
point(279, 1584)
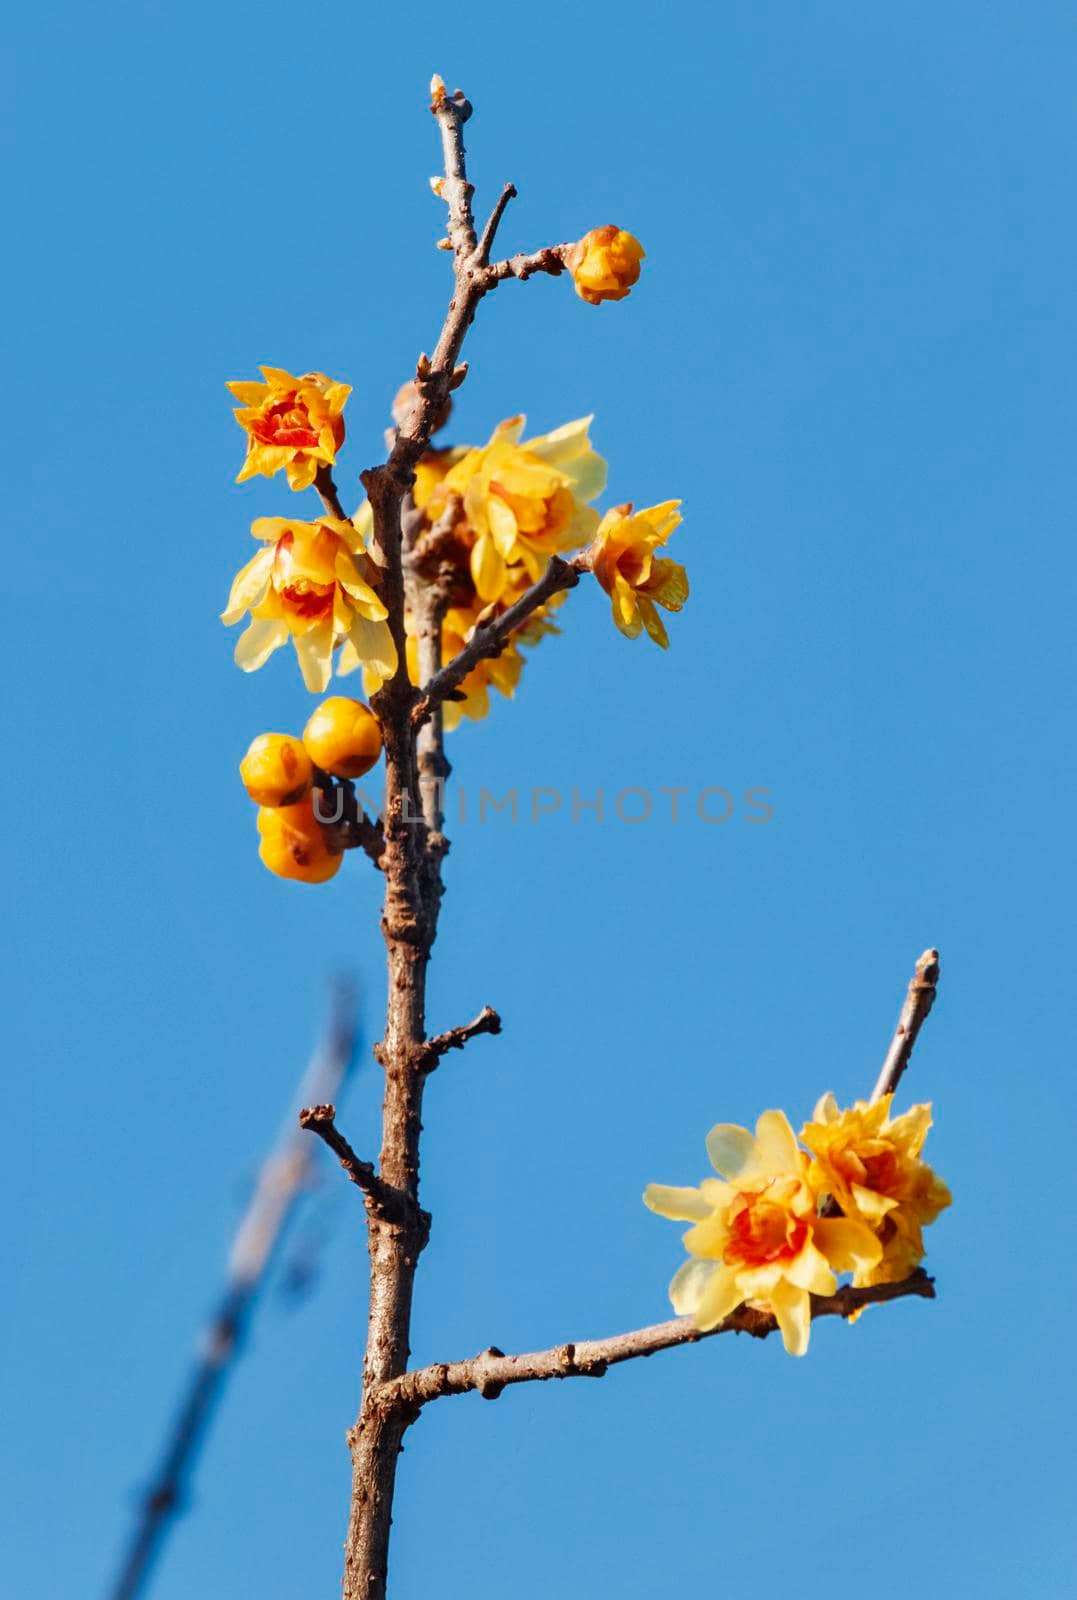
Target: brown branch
point(551, 259)
point(918, 1002)
point(486, 243)
point(382, 1200)
point(490, 638)
point(487, 1021)
point(491, 1371)
point(345, 823)
point(452, 111)
point(327, 490)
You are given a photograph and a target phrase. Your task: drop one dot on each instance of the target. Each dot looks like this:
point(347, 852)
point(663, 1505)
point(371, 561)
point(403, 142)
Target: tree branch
point(382, 1200)
point(918, 1002)
point(327, 490)
point(486, 243)
point(487, 1021)
point(491, 1371)
point(452, 111)
point(490, 638)
point(551, 259)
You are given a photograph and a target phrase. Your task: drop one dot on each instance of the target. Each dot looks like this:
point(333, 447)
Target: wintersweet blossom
point(870, 1165)
point(294, 423)
point(523, 501)
point(757, 1236)
point(604, 264)
point(636, 580)
point(312, 582)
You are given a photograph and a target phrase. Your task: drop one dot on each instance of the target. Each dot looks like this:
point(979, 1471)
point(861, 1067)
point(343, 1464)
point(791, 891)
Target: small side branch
point(382, 1200)
point(487, 1021)
point(327, 492)
point(550, 259)
point(490, 638)
point(918, 1002)
point(492, 1371)
point(486, 243)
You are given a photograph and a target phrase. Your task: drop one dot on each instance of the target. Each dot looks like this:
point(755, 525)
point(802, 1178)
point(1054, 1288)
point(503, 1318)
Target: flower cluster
point(312, 582)
point(779, 1223)
point(497, 513)
point(342, 739)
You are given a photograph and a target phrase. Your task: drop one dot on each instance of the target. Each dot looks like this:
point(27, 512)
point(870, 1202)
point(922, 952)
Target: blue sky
point(852, 355)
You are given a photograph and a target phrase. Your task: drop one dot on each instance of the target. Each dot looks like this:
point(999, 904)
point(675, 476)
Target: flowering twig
point(918, 1002)
point(550, 259)
point(492, 1371)
point(490, 638)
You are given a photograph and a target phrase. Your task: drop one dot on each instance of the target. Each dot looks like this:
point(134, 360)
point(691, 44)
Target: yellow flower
point(522, 501)
point(870, 1166)
point(294, 844)
point(343, 737)
point(632, 575)
point(604, 264)
point(757, 1236)
point(294, 423)
point(312, 581)
point(276, 770)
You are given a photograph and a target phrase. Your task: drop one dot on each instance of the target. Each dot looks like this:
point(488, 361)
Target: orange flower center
point(285, 423)
point(762, 1231)
point(304, 596)
point(873, 1166)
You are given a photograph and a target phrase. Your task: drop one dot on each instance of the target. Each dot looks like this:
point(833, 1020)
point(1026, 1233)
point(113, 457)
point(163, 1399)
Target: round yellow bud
point(276, 770)
point(604, 264)
point(343, 737)
point(294, 843)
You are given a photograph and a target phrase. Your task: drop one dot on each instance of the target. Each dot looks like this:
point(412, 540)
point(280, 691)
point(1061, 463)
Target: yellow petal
point(811, 1270)
point(679, 1205)
point(656, 628)
point(688, 1283)
point(848, 1245)
point(314, 648)
point(487, 568)
point(372, 642)
point(729, 1147)
point(248, 586)
point(776, 1152)
point(792, 1307)
point(719, 1296)
point(257, 643)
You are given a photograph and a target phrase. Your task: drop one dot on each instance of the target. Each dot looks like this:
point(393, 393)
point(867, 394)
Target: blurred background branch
point(282, 1181)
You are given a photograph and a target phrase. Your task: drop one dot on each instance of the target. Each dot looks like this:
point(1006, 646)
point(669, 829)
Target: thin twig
point(281, 1184)
point(550, 259)
point(490, 638)
point(452, 111)
point(327, 490)
point(486, 243)
point(918, 1002)
point(382, 1199)
point(487, 1021)
point(491, 1371)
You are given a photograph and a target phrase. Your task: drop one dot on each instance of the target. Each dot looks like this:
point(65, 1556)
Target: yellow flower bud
point(343, 737)
point(294, 844)
point(276, 770)
point(604, 264)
